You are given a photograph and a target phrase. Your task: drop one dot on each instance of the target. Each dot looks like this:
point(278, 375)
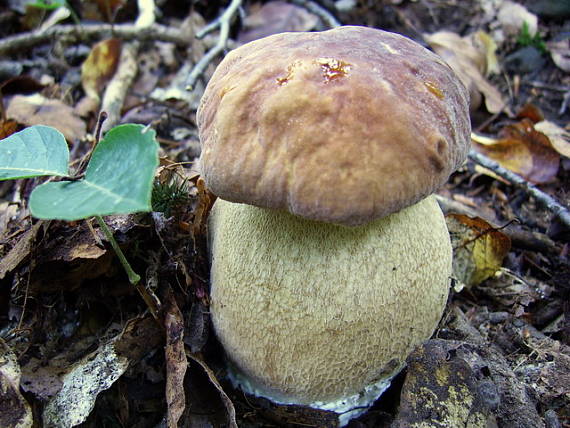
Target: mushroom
point(330, 262)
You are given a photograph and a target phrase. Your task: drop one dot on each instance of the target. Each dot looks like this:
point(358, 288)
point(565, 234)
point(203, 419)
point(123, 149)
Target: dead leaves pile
point(533, 150)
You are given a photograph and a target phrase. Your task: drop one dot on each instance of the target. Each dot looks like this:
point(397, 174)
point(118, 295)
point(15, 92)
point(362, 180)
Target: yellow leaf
point(559, 137)
point(478, 248)
point(100, 66)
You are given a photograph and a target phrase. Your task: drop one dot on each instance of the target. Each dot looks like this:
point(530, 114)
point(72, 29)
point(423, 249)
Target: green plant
point(49, 5)
point(526, 39)
point(169, 197)
point(117, 180)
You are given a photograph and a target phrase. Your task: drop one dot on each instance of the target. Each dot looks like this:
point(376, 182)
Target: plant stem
point(152, 303)
point(133, 277)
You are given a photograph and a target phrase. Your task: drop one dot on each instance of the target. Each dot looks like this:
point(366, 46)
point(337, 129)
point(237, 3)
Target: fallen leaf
point(478, 248)
point(276, 17)
point(559, 137)
point(560, 53)
point(230, 409)
point(470, 64)
point(511, 291)
point(176, 362)
point(100, 66)
point(531, 112)
point(489, 47)
point(523, 150)
point(81, 386)
point(14, 409)
point(38, 110)
point(512, 16)
point(7, 128)
point(97, 371)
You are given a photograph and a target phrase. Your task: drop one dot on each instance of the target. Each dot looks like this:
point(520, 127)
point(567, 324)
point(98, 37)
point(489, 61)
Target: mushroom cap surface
point(342, 126)
point(310, 312)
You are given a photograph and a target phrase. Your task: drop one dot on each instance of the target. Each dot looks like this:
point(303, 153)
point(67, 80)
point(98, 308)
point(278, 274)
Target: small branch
point(316, 9)
point(89, 32)
point(547, 201)
point(117, 88)
point(223, 23)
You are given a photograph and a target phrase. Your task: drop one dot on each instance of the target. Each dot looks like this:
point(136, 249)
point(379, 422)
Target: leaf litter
point(68, 307)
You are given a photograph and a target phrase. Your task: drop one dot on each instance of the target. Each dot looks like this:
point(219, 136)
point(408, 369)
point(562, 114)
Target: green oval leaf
point(35, 151)
point(118, 179)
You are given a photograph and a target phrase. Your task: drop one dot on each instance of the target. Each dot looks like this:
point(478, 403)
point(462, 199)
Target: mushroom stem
point(314, 313)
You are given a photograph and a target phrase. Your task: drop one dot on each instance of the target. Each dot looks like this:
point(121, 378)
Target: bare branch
point(89, 32)
point(117, 89)
point(223, 23)
point(547, 201)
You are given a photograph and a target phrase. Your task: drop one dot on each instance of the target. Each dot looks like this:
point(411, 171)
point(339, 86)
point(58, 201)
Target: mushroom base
point(313, 313)
point(347, 408)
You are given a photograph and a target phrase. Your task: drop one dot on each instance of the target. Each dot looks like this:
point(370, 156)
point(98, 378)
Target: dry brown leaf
point(230, 409)
point(531, 112)
point(38, 110)
point(7, 128)
point(99, 67)
point(20, 251)
point(276, 17)
point(523, 150)
point(470, 63)
point(176, 362)
point(478, 248)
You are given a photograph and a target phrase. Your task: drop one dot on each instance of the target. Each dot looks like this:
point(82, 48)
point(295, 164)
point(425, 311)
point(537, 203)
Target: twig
point(89, 32)
point(547, 201)
point(316, 9)
point(223, 23)
point(117, 89)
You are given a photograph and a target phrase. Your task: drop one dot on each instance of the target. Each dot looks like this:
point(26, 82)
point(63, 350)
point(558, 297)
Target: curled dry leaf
point(559, 137)
point(176, 362)
point(522, 149)
point(230, 409)
point(471, 57)
point(99, 67)
point(478, 248)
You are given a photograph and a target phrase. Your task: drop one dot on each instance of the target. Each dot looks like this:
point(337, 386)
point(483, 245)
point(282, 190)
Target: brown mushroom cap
point(342, 126)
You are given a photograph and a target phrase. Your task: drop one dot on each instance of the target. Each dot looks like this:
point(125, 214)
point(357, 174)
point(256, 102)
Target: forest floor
point(79, 345)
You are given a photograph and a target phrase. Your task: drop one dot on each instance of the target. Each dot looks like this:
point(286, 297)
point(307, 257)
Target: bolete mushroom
point(330, 261)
